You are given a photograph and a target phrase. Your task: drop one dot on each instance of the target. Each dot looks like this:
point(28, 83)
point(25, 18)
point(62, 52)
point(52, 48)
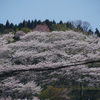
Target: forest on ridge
point(26, 26)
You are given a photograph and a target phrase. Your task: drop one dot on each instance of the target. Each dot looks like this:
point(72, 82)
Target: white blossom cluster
point(35, 48)
point(6, 38)
point(43, 50)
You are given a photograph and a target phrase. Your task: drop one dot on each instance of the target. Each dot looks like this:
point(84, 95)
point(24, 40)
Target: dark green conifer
point(97, 32)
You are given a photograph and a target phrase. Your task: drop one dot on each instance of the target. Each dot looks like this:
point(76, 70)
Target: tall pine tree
point(7, 24)
point(97, 32)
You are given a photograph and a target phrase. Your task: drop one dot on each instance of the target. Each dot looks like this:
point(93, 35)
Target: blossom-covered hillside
point(46, 52)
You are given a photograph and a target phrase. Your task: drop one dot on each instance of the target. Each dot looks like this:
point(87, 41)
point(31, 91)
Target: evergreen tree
point(39, 22)
point(53, 22)
point(29, 24)
point(50, 25)
point(97, 32)
point(79, 28)
point(61, 22)
point(11, 26)
point(90, 32)
point(47, 22)
point(32, 24)
point(35, 23)
point(1, 28)
point(69, 25)
point(7, 24)
point(20, 25)
point(24, 23)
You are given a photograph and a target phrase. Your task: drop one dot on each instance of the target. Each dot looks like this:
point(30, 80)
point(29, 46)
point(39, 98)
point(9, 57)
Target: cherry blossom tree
point(39, 60)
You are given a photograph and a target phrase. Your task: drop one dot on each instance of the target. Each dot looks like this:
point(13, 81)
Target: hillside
point(33, 63)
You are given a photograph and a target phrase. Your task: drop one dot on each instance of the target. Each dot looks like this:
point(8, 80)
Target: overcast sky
point(66, 10)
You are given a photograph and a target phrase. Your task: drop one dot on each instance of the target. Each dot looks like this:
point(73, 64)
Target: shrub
point(25, 29)
point(51, 93)
point(58, 27)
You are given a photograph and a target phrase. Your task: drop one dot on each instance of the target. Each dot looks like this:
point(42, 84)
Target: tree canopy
point(67, 60)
